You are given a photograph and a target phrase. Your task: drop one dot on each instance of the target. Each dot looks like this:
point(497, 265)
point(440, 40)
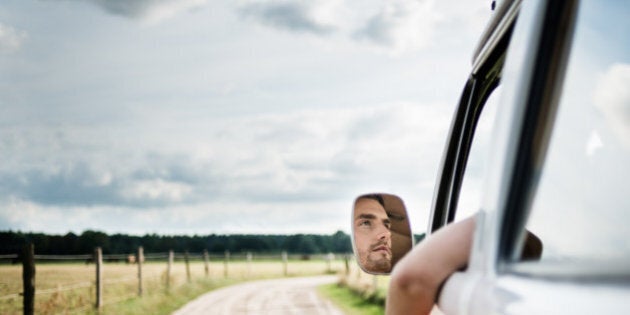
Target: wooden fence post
point(187, 266)
point(249, 263)
point(285, 262)
point(345, 259)
point(168, 269)
point(329, 259)
point(28, 279)
point(206, 266)
point(225, 263)
point(139, 259)
point(98, 259)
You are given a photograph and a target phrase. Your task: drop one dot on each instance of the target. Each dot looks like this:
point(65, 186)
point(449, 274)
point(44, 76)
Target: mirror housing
point(381, 232)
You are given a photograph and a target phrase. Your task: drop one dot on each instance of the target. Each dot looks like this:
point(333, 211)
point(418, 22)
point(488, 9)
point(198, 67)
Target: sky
point(200, 117)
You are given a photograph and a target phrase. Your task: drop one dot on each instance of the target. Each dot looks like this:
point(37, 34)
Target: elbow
point(410, 292)
point(411, 282)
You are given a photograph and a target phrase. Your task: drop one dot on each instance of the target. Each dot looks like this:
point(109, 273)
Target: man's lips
point(382, 248)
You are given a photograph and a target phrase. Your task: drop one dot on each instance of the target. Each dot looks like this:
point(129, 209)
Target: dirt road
point(278, 296)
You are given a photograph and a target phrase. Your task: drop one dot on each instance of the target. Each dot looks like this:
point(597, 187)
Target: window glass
point(470, 194)
point(581, 209)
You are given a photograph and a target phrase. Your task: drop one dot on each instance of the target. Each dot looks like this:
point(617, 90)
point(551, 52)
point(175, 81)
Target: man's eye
point(365, 223)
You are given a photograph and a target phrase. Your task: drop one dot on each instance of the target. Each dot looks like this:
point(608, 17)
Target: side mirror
point(381, 233)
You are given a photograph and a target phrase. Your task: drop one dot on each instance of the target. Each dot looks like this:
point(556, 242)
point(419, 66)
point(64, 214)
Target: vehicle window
point(470, 194)
point(469, 137)
point(581, 208)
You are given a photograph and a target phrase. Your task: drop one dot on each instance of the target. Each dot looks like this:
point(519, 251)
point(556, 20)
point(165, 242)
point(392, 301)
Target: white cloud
point(612, 97)
point(204, 218)
point(148, 11)
point(142, 130)
point(310, 148)
point(10, 38)
point(317, 17)
point(298, 160)
point(402, 25)
point(594, 143)
point(157, 189)
point(396, 26)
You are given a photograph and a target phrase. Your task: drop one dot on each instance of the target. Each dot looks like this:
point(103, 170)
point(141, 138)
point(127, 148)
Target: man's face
point(372, 236)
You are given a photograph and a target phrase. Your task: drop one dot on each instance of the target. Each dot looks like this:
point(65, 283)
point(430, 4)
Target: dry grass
point(370, 287)
point(121, 282)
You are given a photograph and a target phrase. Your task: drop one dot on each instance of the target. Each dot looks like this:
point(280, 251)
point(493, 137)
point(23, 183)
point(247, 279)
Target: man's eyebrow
point(365, 216)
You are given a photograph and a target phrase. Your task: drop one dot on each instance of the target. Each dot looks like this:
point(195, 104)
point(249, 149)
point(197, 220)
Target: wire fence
point(84, 294)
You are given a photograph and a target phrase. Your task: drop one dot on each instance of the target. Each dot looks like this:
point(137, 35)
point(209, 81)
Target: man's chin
point(380, 257)
point(381, 265)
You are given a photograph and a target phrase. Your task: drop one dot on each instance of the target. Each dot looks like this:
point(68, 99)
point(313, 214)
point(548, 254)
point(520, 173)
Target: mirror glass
point(381, 233)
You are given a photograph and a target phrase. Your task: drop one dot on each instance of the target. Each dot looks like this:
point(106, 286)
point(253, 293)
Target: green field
point(357, 292)
point(55, 282)
point(350, 301)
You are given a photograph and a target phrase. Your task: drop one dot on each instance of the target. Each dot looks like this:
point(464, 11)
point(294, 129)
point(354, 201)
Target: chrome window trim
point(452, 168)
point(502, 20)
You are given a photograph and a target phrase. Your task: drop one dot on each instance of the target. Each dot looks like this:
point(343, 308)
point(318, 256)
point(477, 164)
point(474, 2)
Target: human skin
point(416, 278)
point(372, 236)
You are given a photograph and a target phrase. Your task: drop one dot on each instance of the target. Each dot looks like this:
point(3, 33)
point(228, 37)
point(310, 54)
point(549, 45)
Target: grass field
point(350, 301)
point(358, 292)
point(66, 288)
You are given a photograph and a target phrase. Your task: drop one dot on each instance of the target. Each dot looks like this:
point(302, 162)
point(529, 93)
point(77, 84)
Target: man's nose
point(384, 233)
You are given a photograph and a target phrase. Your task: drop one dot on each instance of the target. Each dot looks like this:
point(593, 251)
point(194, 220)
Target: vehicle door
point(553, 163)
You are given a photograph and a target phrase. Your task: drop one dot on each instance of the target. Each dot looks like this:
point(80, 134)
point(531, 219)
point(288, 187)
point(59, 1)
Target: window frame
point(479, 86)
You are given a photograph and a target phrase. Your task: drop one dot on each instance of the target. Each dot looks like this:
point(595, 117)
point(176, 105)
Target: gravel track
point(277, 296)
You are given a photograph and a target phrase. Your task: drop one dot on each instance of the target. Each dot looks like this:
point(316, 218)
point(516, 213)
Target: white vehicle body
point(532, 42)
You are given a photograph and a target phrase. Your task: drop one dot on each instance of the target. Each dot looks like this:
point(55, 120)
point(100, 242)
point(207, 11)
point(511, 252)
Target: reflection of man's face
point(372, 236)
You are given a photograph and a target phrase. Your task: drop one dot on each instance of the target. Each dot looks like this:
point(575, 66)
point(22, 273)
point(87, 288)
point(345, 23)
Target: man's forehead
point(369, 206)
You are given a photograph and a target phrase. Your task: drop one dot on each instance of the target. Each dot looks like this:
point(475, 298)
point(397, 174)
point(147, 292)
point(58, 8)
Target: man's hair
point(381, 201)
point(376, 197)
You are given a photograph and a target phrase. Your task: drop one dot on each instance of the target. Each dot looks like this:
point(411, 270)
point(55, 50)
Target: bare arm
point(416, 278)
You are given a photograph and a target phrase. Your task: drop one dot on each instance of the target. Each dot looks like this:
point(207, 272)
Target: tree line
point(73, 244)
